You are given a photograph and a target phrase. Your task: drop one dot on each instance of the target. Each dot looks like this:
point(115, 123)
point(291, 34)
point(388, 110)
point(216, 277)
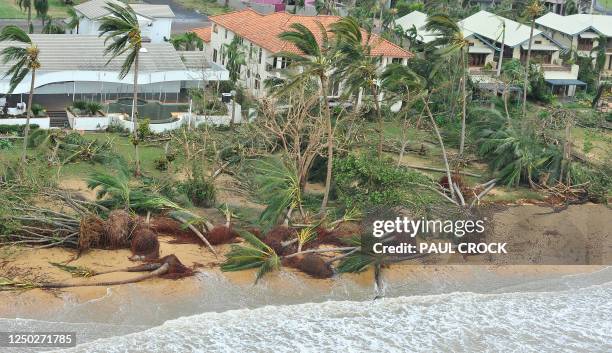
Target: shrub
point(93, 108)
point(161, 163)
point(367, 181)
point(5, 144)
point(81, 105)
point(37, 109)
point(144, 128)
point(16, 129)
point(200, 191)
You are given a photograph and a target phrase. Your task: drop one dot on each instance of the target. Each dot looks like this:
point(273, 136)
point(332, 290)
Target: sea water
point(570, 313)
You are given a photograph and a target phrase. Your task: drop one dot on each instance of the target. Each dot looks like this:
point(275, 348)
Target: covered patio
point(564, 87)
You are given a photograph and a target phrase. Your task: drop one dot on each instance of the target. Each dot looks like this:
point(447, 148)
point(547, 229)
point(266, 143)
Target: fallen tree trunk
point(163, 269)
point(431, 169)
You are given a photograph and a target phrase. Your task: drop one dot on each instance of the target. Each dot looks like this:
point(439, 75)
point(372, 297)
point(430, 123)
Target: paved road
point(185, 18)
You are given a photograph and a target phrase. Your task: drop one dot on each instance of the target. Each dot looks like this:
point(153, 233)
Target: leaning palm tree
point(532, 11)
point(316, 61)
point(74, 19)
point(27, 4)
point(122, 30)
point(24, 55)
point(358, 67)
point(451, 41)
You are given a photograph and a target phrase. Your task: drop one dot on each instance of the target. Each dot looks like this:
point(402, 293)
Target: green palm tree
point(316, 61)
point(187, 41)
point(23, 5)
point(358, 67)
point(235, 58)
point(122, 30)
point(42, 8)
point(532, 11)
point(74, 19)
point(451, 41)
point(53, 26)
point(25, 59)
point(254, 255)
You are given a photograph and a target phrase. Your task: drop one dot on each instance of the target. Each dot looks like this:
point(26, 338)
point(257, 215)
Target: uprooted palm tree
point(24, 55)
point(122, 30)
point(316, 61)
point(254, 255)
point(359, 68)
point(450, 41)
point(276, 183)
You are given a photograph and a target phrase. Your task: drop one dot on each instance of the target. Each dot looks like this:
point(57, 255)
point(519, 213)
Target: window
point(396, 60)
point(222, 56)
point(260, 56)
point(215, 28)
point(225, 34)
point(285, 63)
point(248, 73)
point(585, 44)
point(257, 81)
point(537, 42)
point(215, 55)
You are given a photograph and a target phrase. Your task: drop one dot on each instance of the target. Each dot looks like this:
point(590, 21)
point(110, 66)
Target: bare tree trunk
point(463, 108)
point(501, 54)
point(137, 172)
point(379, 117)
point(330, 143)
point(435, 126)
point(163, 269)
point(30, 27)
point(26, 131)
point(527, 66)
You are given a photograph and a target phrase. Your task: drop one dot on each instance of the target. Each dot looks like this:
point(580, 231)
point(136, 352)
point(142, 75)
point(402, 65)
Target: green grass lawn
point(208, 7)
point(606, 3)
point(9, 9)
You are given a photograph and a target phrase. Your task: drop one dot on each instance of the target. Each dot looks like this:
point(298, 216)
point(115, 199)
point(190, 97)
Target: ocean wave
point(576, 320)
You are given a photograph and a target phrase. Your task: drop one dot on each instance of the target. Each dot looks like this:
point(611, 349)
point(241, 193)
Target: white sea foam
point(575, 320)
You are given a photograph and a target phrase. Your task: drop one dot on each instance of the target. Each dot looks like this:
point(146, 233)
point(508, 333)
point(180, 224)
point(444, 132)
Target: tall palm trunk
point(527, 66)
point(463, 108)
point(446, 165)
point(330, 142)
point(30, 27)
point(134, 116)
point(379, 117)
point(26, 131)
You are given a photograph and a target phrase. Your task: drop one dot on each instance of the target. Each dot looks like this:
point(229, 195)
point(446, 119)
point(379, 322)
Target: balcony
point(553, 67)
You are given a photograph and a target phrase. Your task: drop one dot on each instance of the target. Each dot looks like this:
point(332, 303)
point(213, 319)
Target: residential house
point(580, 32)
point(204, 33)
point(76, 65)
point(416, 20)
point(486, 31)
point(155, 20)
point(259, 36)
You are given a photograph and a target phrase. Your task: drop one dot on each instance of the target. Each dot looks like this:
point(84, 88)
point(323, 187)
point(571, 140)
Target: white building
point(72, 65)
point(486, 31)
point(580, 32)
point(155, 20)
point(258, 35)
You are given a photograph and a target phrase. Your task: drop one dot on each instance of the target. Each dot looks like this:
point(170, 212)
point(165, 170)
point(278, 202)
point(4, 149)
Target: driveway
point(186, 19)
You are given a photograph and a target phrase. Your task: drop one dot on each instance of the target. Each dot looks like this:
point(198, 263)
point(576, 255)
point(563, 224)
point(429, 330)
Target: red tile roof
point(203, 33)
point(263, 30)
